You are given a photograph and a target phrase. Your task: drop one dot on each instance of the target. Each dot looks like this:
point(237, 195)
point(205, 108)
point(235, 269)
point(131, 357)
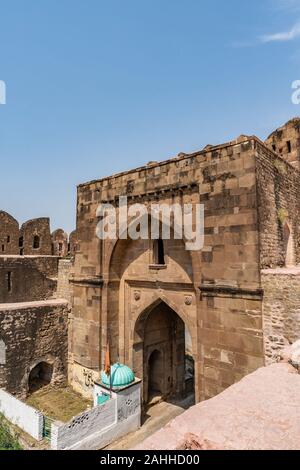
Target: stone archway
point(159, 352)
point(40, 376)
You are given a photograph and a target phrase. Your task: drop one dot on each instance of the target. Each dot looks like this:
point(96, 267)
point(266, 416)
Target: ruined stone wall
point(73, 242)
point(59, 243)
point(228, 340)
point(278, 185)
point(33, 333)
point(63, 281)
point(9, 234)
point(285, 141)
point(35, 237)
point(24, 279)
point(281, 310)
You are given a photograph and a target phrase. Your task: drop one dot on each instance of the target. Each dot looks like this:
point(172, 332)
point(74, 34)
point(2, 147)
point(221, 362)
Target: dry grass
point(60, 404)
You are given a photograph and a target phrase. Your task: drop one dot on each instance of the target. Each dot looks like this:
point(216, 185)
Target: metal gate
point(47, 428)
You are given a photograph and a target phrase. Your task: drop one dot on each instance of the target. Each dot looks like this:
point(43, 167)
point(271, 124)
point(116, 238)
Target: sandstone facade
point(249, 192)
point(146, 298)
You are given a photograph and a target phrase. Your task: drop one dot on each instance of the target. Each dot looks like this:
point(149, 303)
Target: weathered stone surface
point(35, 237)
point(33, 333)
point(285, 142)
point(291, 354)
point(281, 310)
point(59, 240)
point(261, 412)
point(9, 234)
point(278, 202)
point(27, 278)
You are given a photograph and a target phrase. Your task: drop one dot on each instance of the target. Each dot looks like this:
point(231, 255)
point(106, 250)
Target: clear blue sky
point(95, 87)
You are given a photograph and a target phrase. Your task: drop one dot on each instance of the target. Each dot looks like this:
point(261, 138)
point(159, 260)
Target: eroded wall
point(35, 237)
point(9, 234)
point(33, 333)
point(60, 243)
point(24, 279)
point(281, 309)
point(278, 185)
point(285, 141)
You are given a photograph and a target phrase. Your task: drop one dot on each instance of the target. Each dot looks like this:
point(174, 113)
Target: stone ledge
point(292, 271)
point(36, 304)
point(228, 291)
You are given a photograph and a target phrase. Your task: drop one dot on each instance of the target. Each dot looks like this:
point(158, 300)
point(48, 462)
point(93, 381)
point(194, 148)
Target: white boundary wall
point(96, 428)
point(22, 415)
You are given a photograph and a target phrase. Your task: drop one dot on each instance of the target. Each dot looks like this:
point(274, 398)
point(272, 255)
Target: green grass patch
point(7, 440)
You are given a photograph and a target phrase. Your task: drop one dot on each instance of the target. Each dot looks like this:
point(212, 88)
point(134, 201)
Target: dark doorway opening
point(155, 369)
point(40, 376)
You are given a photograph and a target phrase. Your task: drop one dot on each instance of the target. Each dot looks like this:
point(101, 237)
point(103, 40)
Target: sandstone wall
point(24, 279)
point(65, 267)
point(60, 243)
point(225, 314)
point(286, 142)
point(33, 333)
point(9, 234)
point(281, 310)
point(36, 237)
point(73, 242)
point(278, 185)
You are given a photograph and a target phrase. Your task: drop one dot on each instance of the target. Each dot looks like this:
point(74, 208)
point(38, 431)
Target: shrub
point(7, 440)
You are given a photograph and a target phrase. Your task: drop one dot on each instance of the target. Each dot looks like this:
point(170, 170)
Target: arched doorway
point(40, 376)
point(159, 352)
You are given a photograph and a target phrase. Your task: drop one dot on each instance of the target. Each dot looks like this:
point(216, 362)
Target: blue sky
point(95, 87)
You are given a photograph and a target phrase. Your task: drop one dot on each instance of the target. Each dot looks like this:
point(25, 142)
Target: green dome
point(121, 376)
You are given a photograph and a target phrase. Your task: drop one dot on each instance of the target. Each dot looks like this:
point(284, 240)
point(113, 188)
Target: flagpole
point(110, 384)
